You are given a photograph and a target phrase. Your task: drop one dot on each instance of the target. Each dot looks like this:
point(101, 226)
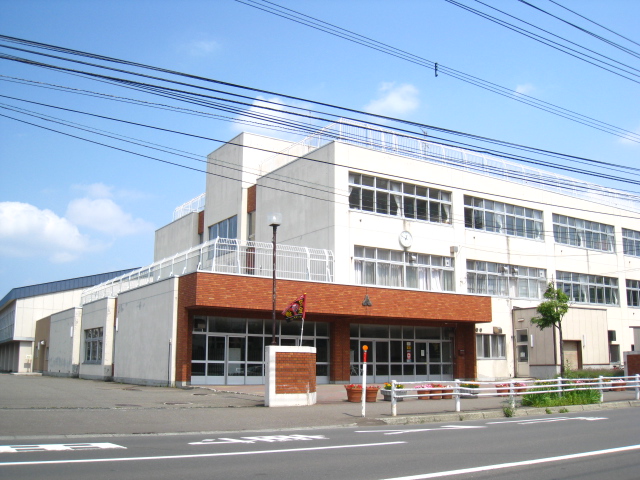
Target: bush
point(594, 373)
point(568, 396)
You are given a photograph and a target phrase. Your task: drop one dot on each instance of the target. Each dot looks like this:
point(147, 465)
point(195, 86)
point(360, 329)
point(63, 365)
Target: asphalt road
point(588, 446)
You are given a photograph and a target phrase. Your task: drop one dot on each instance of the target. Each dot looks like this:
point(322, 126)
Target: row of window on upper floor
point(387, 197)
point(393, 268)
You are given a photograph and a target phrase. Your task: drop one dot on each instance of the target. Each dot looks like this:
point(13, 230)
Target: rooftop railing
point(230, 256)
point(376, 138)
point(193, 205)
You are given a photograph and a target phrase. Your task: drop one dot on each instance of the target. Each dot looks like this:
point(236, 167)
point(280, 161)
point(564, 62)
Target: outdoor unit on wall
point(497, 330)
point(612, 336)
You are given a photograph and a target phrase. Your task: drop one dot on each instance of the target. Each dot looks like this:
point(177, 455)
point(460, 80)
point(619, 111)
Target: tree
point(551, 312)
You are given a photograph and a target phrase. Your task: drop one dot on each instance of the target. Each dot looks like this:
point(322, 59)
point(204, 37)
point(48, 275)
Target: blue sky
point(69, 208)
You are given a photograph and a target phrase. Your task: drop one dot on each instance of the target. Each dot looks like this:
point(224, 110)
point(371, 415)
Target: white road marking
point(547, 420)
point(265, 438)
point(61, 447)
point(525, 463)
point(199, 455)
point(414, 430)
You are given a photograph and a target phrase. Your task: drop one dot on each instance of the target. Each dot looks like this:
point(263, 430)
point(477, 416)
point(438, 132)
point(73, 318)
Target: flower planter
point(424, 392)
point(355, 394)
point(618, 386)
point(447, 393)
point(436, 394)
point(502, 391)
point(386, 395)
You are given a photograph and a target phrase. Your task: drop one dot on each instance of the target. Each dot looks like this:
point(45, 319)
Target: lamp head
point(274, 219)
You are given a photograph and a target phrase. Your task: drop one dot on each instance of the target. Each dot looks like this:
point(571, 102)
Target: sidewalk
point(32, 406)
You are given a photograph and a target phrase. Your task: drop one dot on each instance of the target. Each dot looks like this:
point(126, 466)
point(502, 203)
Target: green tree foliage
point(551, 312)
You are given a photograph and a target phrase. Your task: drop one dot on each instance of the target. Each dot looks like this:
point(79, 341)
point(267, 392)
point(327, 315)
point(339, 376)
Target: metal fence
point(230, 256)
point(458, 389)
point(377, 138)
point(194, 205)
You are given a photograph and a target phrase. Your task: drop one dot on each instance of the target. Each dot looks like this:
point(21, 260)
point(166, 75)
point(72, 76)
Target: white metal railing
point(377, 138)
point(226, 255)
point(461, 389)
point(193, 205)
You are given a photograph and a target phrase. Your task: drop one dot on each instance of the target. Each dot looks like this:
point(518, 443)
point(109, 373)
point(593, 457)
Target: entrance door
point(522, 352)
point(572, 354)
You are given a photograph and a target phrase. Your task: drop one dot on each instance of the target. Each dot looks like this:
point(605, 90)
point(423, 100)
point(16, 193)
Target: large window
point(631, 242)
point(392, 268)
point(633, 293)
point(502, 218)
point(93, 345)
point(582, 233)
point(389, 197)
point(502, 280)
point(227, 228)
point(582, 288)
point(490, 346)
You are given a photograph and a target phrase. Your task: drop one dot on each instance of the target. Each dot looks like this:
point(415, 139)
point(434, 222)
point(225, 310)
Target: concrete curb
point(519, 412)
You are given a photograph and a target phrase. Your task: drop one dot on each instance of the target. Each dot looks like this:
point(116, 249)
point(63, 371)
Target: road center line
point(201, 455)
point(517, 464)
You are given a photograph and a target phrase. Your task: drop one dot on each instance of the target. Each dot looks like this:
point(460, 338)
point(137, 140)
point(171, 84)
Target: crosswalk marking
point(59, 447)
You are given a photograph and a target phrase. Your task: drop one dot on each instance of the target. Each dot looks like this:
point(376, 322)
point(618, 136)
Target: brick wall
point(251, 199)
point(295, 372)
point(201, 223)
point(340, 305)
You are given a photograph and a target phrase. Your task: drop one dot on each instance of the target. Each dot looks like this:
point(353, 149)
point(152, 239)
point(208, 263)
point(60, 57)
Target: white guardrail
point(230, 256)
point(459, 389)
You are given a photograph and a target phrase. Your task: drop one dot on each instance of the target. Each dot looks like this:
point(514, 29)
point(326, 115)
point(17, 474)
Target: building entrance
point(406, 354)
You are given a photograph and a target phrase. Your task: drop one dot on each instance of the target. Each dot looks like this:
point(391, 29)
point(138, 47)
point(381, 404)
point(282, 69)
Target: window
point(631, 242)
point(614, 353)
point(503, 280)
point(93, 345)
point(633, 293)
point(582, 288)
point(582, 233)
point(490, 346)
point(227, 228)
point(392, 268)
point(502, 218)
point(388, 197)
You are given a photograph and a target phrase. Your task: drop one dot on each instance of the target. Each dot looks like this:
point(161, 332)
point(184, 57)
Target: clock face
point(405, 239)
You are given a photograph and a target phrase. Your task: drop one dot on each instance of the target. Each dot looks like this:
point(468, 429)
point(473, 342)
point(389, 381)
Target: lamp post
point(274, 220)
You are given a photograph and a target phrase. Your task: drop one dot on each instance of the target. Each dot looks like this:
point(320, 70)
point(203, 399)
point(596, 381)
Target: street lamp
point(274, 220)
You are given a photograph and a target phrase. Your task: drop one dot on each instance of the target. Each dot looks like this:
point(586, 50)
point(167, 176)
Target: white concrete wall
point(178, 236)
point(100, 313)
point(31, 309)
point(145, 338)
point(232, 169)
point(64, 343)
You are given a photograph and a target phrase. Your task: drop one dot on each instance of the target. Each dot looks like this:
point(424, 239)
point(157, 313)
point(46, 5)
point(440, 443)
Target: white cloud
point(104, 215)
point(27, 231)
point(199, 48)
point(274, 111)
point(95, 190)
point(525, 89)
point(394, 100)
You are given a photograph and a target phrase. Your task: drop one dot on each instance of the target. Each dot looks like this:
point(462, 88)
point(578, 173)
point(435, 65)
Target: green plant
point(508, 411)
point(548, 411)
point(469, 385)
point(563, 410)
point(387, 386)
point(569, 396)
point(551, 312)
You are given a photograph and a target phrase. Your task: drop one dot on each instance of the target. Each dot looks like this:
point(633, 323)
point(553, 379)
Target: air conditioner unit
point(497, 330)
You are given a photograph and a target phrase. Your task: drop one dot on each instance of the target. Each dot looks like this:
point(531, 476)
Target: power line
point(486, 85)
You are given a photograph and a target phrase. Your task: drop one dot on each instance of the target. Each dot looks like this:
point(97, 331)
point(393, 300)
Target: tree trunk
point(561, 350)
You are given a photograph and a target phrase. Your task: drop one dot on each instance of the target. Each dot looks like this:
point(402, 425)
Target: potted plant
point(447, 392)
point(502, 389)
point(424, 390)
point(354, 393)
point(437, 391)
point(386, 392)
point(467, 390)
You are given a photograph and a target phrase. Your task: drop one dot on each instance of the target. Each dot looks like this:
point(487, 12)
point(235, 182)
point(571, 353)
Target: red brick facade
point(339, 305)
point(633, 364)
point(295, 372)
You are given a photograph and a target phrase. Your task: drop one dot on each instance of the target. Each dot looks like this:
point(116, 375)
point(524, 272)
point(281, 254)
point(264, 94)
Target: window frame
point(503, 218)
point(580, 233)
point(495, 342)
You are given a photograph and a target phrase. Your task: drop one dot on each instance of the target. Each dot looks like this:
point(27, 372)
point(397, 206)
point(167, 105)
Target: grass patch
point(568, 396)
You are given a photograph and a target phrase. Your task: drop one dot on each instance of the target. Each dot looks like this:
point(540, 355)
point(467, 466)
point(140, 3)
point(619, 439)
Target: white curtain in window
point(423, 282)
point(395, 276)
point(436, 283)
point(358, 272)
